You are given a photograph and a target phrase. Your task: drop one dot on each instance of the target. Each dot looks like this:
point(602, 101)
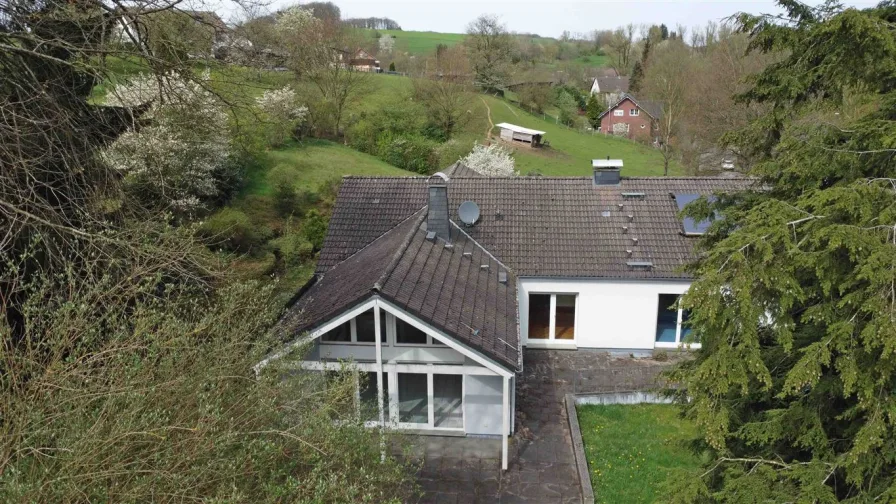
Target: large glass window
point(413, 398)
point(552, 316)
point(343, 333)
point(539, 316)
point(407, 334)
point(671, 321)
point(447, 400)
point(366, 329)
point(368, 398)
point(565, 319)
point(685, 327)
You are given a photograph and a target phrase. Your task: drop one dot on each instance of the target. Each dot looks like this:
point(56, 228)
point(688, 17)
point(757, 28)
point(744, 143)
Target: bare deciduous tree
point(444, 90)
point(667, 84)
point(489, 46)
point(622, 48)
point(321, 50)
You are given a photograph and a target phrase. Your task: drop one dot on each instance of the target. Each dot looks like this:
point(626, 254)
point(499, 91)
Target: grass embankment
point(419, 43)
point(570, 152)
point(312, 164)
point(633, 449)
point(313, 169)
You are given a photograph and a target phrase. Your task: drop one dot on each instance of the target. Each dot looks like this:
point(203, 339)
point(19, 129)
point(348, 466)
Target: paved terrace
point(542, 465)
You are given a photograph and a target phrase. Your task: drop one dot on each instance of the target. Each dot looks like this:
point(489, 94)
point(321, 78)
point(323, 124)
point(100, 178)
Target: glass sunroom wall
point(368, 396)
point(448, 401)
point(413, 398)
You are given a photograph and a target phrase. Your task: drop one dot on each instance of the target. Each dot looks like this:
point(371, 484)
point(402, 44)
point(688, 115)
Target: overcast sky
point(551, 17)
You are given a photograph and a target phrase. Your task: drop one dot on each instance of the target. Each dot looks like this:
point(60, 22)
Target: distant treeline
point(373, 23)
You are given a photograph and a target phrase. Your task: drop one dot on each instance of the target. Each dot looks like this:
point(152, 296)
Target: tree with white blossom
point(171, 158)
point(490, 160)
point(282, 114)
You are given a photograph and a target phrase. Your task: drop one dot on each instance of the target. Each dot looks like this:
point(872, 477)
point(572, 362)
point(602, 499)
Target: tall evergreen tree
point(593, 110)
point(794, 302)
point(638, 70)
point(634, 83)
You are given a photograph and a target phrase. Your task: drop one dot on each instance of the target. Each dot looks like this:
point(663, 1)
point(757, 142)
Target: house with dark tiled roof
point(434, 287)
point(610, 86)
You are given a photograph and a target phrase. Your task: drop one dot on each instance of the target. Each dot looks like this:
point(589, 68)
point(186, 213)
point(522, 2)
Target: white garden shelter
point(514, 133)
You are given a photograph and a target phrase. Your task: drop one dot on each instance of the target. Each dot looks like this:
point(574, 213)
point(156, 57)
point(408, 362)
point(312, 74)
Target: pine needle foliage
point(795, 298)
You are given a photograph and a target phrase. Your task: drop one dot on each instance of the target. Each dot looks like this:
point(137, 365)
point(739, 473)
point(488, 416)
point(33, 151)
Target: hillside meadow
point(570, 151)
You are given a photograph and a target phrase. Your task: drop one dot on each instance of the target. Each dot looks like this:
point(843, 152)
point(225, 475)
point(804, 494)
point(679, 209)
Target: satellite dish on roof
point(468, 212)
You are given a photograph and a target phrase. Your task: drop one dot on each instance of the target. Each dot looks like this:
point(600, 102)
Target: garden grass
point(570, 153)
point(311, 164)
point(419, 43)
point(632, 450)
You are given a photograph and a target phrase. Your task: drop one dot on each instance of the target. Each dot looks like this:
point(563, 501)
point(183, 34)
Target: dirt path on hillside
point(491, 125)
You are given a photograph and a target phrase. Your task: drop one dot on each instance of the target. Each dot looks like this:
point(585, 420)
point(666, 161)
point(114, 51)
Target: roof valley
point(378, 286)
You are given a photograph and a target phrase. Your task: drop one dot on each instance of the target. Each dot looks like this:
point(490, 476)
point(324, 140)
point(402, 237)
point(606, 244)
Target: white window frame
point(634, 112)
point(395, 414)
point(354, 334)
point(551, 340)
point(678, 342)
point(619, 113)
point(485, 366)
point(430, 341)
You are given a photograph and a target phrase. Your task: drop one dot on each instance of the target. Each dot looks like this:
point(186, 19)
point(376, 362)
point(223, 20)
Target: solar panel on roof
point(691, 227)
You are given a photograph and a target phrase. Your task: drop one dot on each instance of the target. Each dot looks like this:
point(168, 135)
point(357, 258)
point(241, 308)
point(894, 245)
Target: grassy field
point(632, 450)
point(311, 168)
point(422, 42)
point(312, 164)
point(570, 152)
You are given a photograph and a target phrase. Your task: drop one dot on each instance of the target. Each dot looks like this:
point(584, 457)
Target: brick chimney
point(437, 217)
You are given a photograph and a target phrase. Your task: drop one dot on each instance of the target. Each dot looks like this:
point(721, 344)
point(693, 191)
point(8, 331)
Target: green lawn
point(633, 449)
point(570, 152)
point(309, 167)
point(312, 164)
point(422, 42)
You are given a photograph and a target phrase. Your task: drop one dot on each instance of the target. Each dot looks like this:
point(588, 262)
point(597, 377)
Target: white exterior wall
point(610, 314)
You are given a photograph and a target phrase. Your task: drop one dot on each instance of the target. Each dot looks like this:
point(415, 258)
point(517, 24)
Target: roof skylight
point(691, 227)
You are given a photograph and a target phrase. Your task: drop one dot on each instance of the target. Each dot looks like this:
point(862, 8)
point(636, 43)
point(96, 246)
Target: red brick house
point(632, 118)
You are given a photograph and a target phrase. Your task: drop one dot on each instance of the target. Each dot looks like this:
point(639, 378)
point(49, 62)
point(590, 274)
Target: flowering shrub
point(387, 43)
point(296, 19)
point(282, 114)
point(491, 160)
point(172, 161)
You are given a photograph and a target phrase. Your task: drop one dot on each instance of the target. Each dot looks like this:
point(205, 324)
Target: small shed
point(514, 133)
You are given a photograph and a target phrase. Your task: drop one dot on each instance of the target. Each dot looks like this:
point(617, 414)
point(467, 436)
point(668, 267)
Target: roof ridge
point(378, 285)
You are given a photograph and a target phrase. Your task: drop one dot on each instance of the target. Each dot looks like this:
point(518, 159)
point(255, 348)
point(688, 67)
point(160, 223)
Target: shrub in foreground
point(157, 401)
